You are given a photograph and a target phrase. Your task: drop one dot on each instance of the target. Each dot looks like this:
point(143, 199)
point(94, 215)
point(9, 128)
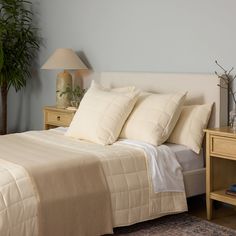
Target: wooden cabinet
point(220, 166)
point(55, 117)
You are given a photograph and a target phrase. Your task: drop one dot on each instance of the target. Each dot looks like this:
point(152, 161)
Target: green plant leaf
point(19, 42)
point(75, 94)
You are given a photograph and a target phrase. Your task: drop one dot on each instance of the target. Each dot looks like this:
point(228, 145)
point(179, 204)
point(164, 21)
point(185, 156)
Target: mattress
point(188, 159)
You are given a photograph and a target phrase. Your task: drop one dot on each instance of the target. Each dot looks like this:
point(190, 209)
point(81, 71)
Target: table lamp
point(66, 59)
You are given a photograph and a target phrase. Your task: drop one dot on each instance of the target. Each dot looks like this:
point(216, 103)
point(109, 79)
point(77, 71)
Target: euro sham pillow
point(102, 113)
point(153, 117)
point(189, 128)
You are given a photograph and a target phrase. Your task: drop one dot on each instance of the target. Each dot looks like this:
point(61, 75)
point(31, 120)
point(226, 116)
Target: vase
point(232, 118)
point(75, 103)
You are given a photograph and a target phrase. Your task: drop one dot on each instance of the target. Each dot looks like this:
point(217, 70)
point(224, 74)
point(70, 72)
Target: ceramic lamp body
point(64, 80)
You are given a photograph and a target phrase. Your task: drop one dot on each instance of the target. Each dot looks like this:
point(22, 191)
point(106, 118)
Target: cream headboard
point(202, 88)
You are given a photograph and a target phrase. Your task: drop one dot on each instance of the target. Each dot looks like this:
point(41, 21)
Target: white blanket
point(166, 172)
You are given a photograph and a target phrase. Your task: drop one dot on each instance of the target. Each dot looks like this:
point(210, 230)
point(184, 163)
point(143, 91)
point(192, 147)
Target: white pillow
point(189, 128)
point(102, 113)
point(153, 117)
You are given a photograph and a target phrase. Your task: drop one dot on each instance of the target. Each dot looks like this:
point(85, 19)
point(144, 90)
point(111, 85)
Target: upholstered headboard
point(202, 88)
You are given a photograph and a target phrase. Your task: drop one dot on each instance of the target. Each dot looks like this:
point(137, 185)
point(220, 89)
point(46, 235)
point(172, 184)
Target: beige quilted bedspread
point(71, 186)
point(125, 169)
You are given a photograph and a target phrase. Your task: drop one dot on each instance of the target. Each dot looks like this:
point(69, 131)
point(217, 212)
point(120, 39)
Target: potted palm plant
point(19, 43)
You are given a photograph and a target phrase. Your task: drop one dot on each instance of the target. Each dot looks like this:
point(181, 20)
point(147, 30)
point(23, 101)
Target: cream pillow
point(102, 113)
point(153, 117)
point(189, 128)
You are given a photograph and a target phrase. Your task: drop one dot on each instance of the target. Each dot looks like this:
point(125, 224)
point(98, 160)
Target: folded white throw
point(166, 172)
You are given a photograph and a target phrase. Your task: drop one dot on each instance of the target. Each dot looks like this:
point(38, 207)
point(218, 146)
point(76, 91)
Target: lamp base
point(64, 80)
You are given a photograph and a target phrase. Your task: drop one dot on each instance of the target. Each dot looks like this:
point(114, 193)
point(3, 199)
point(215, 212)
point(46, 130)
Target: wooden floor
point(222, 214)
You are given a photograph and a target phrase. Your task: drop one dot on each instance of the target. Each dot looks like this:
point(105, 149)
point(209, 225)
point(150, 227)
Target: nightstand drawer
point(223, 146)
point(55, 117)
point(58, 118)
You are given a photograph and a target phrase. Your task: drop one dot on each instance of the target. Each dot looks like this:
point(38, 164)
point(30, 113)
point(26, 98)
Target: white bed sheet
point(165, 170)
point(188, 159)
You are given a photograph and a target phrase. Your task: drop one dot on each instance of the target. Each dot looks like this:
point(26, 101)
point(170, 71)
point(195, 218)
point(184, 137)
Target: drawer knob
point(58, 118)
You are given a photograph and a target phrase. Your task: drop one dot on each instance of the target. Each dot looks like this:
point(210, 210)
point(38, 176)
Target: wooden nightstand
point(220, 166)
point(55, 117)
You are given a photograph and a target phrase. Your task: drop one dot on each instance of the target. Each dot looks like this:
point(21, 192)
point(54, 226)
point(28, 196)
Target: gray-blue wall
point(127, 35)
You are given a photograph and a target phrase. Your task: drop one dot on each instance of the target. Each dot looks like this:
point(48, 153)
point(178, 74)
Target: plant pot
point(75, 103)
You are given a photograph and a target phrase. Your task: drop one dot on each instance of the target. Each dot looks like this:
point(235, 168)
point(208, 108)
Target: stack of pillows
point(105, 115)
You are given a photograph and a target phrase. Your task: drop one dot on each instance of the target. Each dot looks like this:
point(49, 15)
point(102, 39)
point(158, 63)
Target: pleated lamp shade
point(64, 58)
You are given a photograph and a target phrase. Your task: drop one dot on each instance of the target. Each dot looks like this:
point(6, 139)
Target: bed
point(34, 174)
